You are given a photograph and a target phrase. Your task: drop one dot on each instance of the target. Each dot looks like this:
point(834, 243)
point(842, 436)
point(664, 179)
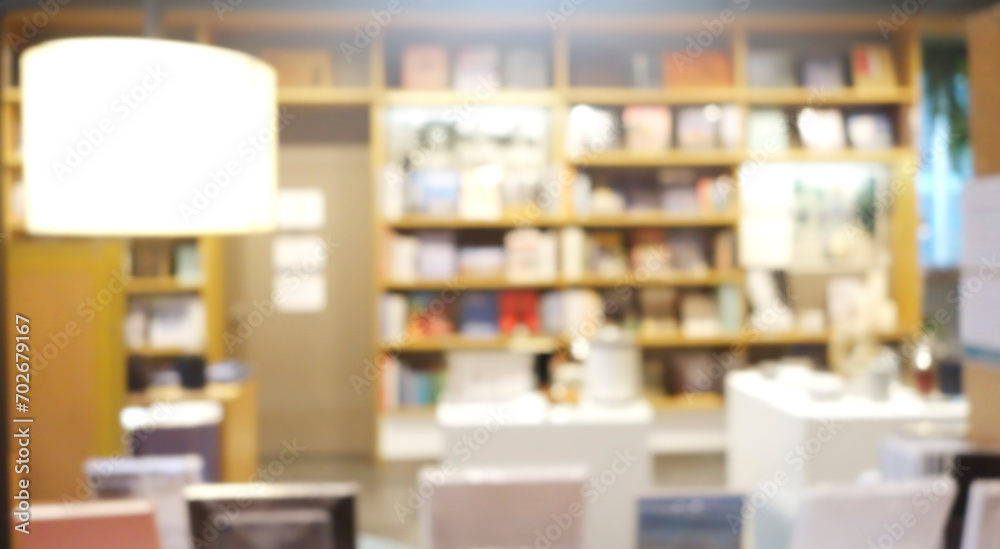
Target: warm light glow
point(134, 136)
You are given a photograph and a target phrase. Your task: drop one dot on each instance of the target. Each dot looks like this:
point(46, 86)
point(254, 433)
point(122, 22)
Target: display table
point(611, 442)
point(781, 441)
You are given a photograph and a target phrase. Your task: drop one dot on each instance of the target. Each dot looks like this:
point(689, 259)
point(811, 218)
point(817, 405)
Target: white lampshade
point(144, 137)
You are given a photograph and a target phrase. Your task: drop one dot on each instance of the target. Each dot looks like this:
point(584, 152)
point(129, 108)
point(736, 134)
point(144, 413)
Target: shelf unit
point(378, 95)
point(563, 95)
point(239, 425)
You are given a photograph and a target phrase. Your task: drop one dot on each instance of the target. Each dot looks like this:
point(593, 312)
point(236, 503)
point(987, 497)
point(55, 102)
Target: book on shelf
point(481, 261)
point(582, 189)
point(607, 200)
point(166, 322)
point(699, 313)
point(405, 249)
point(697, 128)
point(725, 250)
point(480, 196)
point(870, 130)
point(572, 246)
point(606, 253)
point(650, 254)
point(435, 191)
point(531, 254)
point(405, 385)
point(643, 198)
point(647, 127)
point(768, 131)
point(730, 308)
point(658, 307)
point(692, 374)
point(688, 250)
point(823, 72)
point(425, 67)
point(771, 68)
point(474, 66)
point(873, 67)
point(681, 199)
point(437, 254)
point(519, 312)
point(730, 126)
point(187, 263)
point(305, 67)
point(645, 70)
point(395, 310)
point(480, 314)
point(822, 129)
point(487, 376)
point(710, 69)
point(525, 68)
point(592, 129)
point(430, 315)
point(550, 310)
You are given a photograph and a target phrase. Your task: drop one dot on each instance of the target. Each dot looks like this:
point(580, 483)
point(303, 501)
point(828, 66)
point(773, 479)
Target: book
point(822, 129)
point(771, 68)
point(823, 72)
point(696, 128)
point(710, 69)
point(650, 254)
point(403, 262)
point(870, 130)
point(476, 66)
point(731, 126)
point(645, 71)
point(591, 129)
point(519, 312)
point(297, 67)
point(395, 312)
point(606, 252)
point(525, 68)
point(531, 254)
point(688, 250)
point(481, 261)
point(678, 199)
point(725, 252)
point(430, 315)
point(699, 314)
point(480, 314)
point(768, 131)
point(437, 254)
point(647, 128)
point(606, 200)
point(425, 67)
point(480, 194)
point(572, 244)
point(872, 66)
point(730, 308)
point(434, 191)
point(658, 307)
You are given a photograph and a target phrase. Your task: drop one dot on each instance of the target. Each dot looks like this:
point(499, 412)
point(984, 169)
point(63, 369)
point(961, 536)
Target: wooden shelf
point(888, 156)
point(702, 401)
point(676, 278)
point(12, 95)
point(652, 219)
point(159, 285)
point(324, 96)
point(212, 391)
point(468, 99)
point(624, 220)
point(535, 344)
point(712, 277)
point(13, 159)
point(639, 96)
point(626, 158)
point(414, 222)
point(828, 97)
point(155, 352)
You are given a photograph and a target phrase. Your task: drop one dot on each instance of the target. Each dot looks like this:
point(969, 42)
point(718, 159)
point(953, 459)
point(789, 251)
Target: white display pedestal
point(781, 441)
point(611, 442)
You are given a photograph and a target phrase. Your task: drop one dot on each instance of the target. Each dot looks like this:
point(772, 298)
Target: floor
point(383, 486)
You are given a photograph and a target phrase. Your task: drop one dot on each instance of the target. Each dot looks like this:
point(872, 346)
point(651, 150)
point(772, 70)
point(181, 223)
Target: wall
point(304, 361)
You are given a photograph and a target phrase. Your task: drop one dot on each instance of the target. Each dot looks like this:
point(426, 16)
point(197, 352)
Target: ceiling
point(540, 6)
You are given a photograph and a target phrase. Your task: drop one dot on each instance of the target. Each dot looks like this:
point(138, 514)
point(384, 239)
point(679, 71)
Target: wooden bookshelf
point(160, 285)
point(380, 95)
